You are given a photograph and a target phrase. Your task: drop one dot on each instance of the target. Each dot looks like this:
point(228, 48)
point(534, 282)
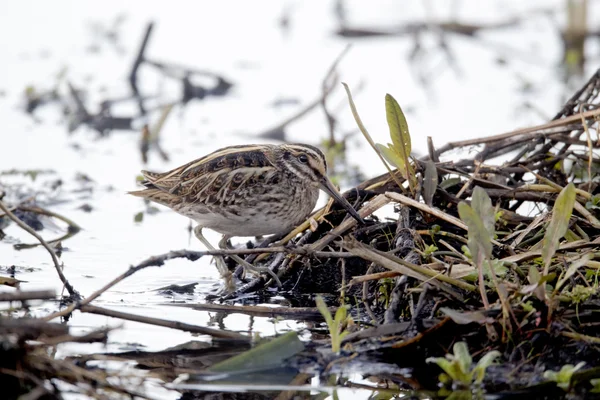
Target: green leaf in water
point(266, 355)
point(139, 217)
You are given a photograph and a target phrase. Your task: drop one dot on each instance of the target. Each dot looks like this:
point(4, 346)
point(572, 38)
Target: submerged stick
point(259, 311)
point(181, 326)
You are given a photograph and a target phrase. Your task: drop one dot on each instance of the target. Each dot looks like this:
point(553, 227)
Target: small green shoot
point(366, 134)
point(459, 369)
point(596, 385)
point(429, 250)
point(559, 223)
point(335, 325)
point(479, 218)
point(593, 203)
point(563, 377)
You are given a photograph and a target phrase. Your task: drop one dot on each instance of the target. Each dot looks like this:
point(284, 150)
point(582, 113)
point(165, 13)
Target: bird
point(245, 190)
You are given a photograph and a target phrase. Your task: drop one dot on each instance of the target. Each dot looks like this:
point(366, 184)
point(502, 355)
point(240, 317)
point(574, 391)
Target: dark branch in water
point(181, 326)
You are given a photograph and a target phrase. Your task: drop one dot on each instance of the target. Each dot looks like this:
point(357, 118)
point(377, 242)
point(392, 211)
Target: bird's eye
point(303, 158)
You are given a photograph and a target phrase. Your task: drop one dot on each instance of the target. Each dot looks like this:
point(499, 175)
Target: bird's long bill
point(327, 186)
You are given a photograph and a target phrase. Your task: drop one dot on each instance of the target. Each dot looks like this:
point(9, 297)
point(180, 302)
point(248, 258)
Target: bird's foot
point(256, 270)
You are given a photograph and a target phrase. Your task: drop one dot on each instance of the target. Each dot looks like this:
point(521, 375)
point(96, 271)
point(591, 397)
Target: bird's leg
point(226, 275)
point(245, 264)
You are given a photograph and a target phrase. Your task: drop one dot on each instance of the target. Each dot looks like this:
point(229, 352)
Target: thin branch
point(72, 292)
point(182, 326)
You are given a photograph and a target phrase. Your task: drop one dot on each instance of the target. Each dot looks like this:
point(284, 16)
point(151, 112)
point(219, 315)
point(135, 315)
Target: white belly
point(278, 217)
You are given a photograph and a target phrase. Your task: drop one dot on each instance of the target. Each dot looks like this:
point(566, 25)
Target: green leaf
point(322, 307)
point(563, 377)
point(448, 183)
point(444, 364)
point(340, 315)
point(366, 134)
point(596, 385)
point(484, 362)
point(343, 335)
point(534, 275)
point(263, 356)
point(462, 355)
point(466, 317)
point(400, 136)
point(391, 157)
point(573, 268)
point(398, 127)
point(561, 214)
point(482, 204)
point(430, 182)
point(479, 242)
point(139, 217)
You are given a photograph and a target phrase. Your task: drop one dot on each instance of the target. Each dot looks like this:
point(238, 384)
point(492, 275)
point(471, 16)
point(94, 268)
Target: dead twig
point(72, 292)
point(181, 326)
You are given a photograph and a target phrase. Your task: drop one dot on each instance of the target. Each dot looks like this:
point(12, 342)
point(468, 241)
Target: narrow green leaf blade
point(561, 214)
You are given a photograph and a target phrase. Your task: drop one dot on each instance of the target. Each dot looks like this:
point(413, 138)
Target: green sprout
point(596, 385)
point(335, 325)
point(593, 203)
point(563, 377)
point(458, 367)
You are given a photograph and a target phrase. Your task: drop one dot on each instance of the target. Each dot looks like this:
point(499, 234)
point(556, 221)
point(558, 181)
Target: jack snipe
point(250, 190)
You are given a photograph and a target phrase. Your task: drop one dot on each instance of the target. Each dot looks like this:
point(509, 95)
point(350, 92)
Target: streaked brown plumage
point(248, 190)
